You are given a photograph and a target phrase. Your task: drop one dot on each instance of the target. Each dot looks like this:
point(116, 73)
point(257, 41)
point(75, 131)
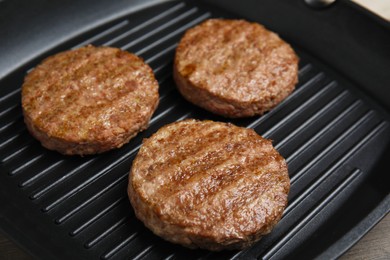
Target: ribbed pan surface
point(318, 129)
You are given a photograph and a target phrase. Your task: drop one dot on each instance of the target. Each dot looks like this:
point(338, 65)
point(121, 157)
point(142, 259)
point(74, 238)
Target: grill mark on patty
point(182, 170)
point(96, 98)
point(53, 70)
point(268, 196)
point(233, 46)
point(81, 69)
point(246, 191)
point(74, 116)
point(250, 168)
point(201, 189)
point(232, 205)
point(244, 179)
point(210, 161)
point(216, 180)
point(226, 155)
point(69, 109)
point(234, 68)
point(204, 183)
point(187, 149)
point(67, 103)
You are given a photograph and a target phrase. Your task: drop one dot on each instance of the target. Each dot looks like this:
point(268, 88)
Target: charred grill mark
point(234, 68)
point(260, 170)
point(177, 152)
point(231, 163)
point(206, 175)
point(227, 185)
point(92, 96)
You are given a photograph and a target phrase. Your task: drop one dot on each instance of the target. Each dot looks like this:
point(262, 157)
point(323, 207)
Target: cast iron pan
point(333, 130)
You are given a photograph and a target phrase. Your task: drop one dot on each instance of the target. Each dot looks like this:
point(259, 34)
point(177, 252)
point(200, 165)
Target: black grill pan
point(334, 130)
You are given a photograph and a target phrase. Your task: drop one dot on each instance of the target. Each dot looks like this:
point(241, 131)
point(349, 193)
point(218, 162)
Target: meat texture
point(89, 100)
point(234, 68)
point(209, 185)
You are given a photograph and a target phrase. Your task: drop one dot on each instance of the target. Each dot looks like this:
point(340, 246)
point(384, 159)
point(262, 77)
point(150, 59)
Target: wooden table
point(374, 245)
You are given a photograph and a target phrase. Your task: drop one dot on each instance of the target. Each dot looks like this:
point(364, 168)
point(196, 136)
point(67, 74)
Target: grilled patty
point(89, 100)
point(234, 68)
point(208, 184)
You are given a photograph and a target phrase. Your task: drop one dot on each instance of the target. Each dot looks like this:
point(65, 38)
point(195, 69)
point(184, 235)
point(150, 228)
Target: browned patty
point(208, 184)
point(89, 100)
point(234, 68)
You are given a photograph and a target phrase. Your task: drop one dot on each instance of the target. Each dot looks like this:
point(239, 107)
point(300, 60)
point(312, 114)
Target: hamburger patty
point(89, 100)
point(234, 68)
point(208, 184)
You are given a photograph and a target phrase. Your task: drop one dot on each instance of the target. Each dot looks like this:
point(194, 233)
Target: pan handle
point(318, 4)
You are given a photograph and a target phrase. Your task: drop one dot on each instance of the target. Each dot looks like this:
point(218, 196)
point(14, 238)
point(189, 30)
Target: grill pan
point(334, 130)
